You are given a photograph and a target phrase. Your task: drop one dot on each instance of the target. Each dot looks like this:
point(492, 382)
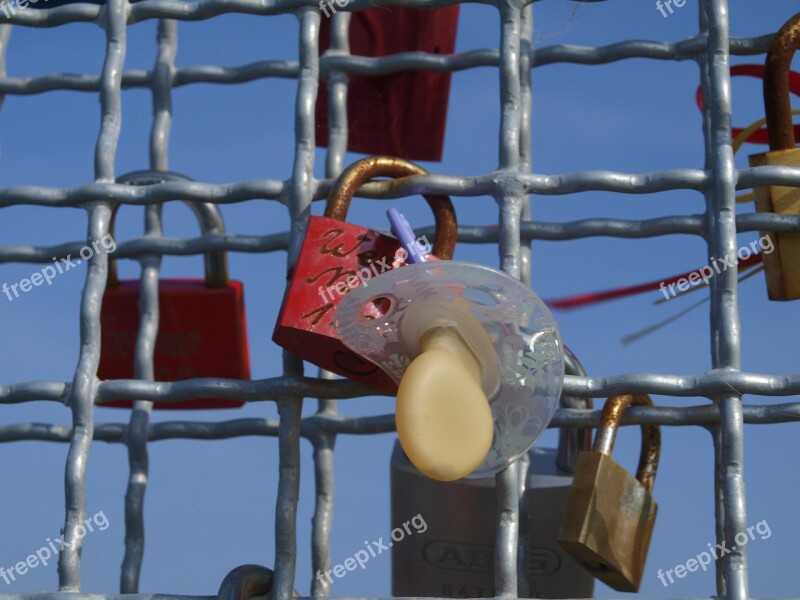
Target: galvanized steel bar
point(137, 432)
point(290, 407)
point(702, 416)
point(684, 50)
point(149, 316)
point(289, 411)
point(337, 96)
point(162, 83)
point(5, 37)
point(323, 443)
point(526, 106)
point(535, 230)
point(720, 198)
point(505, 552)
point(709, 384)
point(509, 194)
point(525, 275)
point(510, 199)
point(719, 505)
point(725, 325)
point(84, 384)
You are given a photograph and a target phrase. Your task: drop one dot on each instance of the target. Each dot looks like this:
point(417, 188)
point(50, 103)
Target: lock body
point(202, 333)
point(782, 266)
point(609, 522)
point(336, 257)
point(551, 571)
point(455, 557)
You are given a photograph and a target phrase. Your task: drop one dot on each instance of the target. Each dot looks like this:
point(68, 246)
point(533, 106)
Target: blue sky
point(210, 505)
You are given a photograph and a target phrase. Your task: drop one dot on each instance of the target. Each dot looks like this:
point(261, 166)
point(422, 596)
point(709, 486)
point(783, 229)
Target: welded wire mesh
point(510, 185)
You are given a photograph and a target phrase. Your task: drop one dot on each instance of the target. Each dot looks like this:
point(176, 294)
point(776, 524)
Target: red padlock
point(337, 257)
point(202, 327)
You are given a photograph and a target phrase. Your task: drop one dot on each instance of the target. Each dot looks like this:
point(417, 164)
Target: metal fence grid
point(510, 184)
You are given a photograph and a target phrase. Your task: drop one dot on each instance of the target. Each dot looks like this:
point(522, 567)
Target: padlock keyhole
point(377, 307)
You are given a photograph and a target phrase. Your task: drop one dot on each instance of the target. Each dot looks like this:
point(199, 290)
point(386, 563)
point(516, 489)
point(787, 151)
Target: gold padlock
point(610, 515)
point(782, 266)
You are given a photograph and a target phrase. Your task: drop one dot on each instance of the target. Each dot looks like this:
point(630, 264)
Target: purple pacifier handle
point(403, 232)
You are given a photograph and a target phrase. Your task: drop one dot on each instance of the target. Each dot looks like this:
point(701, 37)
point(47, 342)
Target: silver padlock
point(455, 555)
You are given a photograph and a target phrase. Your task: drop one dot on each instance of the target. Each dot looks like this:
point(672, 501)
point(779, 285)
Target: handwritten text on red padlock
point(342, 280)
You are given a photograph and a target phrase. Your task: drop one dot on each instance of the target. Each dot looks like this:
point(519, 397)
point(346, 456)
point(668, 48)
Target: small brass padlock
point(782, 266)
point(610, 515)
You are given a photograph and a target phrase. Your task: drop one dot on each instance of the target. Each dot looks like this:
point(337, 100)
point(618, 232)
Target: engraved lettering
point(338, 273)
point(337, 250)
point(321, 310)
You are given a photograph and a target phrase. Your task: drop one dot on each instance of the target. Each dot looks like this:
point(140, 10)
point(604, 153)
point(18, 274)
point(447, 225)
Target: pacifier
point(476, 355)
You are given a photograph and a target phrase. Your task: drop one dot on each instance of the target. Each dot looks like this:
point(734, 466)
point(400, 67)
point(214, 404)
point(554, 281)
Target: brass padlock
point(610, 514)
point(782, 266)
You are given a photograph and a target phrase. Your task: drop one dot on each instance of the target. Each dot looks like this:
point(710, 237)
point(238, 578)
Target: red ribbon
point(757, 71)
point(569, 302)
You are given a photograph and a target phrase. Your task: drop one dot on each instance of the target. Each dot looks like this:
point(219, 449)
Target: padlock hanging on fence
point(610, 514)
point(452, 559)
point(336, 257)
point(783, 265)
point(202, 326)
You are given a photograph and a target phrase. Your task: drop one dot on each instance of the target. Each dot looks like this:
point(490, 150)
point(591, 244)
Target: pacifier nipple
point(444, 420)
point(443, 417)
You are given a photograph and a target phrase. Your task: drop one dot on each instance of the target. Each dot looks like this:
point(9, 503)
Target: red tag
point(401, 114)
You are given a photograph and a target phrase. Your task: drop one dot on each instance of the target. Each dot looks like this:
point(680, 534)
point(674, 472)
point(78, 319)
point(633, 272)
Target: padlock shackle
point(208, 216)
point(651, 436)
point(572, 441)
point(777, 103)
point(248, 581)
point(354, 176)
